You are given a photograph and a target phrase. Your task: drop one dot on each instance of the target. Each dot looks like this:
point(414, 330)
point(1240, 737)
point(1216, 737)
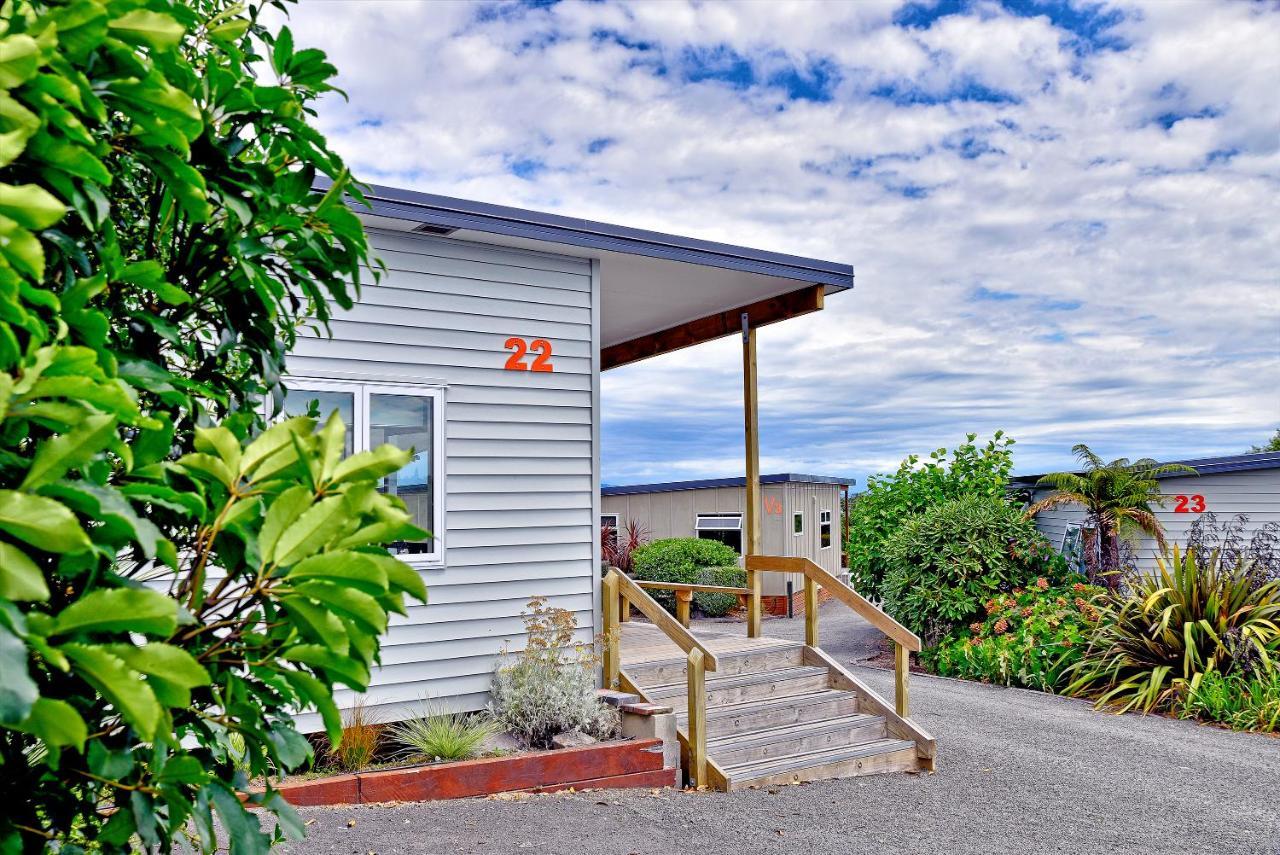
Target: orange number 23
point(519, 348)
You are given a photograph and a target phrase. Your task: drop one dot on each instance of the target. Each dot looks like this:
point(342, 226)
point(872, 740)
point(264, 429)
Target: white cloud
point(1074, 192)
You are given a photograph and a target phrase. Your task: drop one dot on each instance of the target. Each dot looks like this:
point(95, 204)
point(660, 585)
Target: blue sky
point(1064, 217)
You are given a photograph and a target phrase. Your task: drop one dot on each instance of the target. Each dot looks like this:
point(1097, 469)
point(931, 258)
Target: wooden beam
point(719, 325)
point(751, 437)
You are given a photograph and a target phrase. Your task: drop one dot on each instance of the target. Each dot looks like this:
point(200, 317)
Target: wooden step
point(738, 749)
point(775, 712)
point(740, 688)
point(666, 671)
point(869, 758)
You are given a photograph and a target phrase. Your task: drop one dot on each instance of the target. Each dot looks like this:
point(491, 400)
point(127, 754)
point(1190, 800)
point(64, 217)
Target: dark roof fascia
point(711, 483)
point(1203, 466)
point(450, 212)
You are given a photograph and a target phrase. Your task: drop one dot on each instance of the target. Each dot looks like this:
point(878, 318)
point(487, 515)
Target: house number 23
point(520, 348)
point(1189, 504)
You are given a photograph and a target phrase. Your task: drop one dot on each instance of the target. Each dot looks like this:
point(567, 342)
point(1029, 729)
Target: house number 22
point(520, 348)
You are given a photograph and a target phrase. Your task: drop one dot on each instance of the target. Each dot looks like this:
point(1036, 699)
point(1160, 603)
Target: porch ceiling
point(660, 292)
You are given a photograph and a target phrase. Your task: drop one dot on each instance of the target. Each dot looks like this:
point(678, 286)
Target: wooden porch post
point(751, 412)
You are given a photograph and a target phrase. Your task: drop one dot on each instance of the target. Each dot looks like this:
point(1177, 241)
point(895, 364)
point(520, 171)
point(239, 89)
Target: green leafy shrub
point(170, 596)
point(550, 687)
point(1239, 701)
point(1029, 638)
point(439, 736)
point(1157, 640)
point(890, 500)
point(691, 561)
point(945, 563)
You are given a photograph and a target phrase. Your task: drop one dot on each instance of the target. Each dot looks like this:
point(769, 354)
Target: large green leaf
point(369, 465)
point(283, 513)
point(171, 671)
point(69, 450)
point(273, 449)
point(153, 29)
point(19, 60)
point(318, 695)
point(119, 610)
point(310, 531)
point(244, 833)
point(400, 576)
point(20, 578)
point(30, 205)
point(354, 604)
point(110, 506)
point(122, 686)
point(346, 568)
point(317, 623)
point(17, 690)
point(41, 522)
point(55, 722)
point(341, 668)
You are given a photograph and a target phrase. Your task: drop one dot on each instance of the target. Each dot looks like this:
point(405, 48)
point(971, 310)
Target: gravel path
point(1018, 772)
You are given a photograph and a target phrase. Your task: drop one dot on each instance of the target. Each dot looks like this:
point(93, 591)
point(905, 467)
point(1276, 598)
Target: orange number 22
point(519, 348)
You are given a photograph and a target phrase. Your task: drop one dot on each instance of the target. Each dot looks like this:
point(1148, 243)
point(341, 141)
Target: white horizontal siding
point(520, 447)
point(1254, 493)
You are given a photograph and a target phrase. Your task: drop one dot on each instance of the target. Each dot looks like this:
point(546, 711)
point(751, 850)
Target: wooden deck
point(644, 642)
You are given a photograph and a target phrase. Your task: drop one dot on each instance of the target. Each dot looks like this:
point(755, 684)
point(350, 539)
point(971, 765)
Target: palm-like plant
point(1116, 496)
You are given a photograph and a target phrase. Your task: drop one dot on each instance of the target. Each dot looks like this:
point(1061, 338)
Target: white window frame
point(797, 516)
point(360, 392)
point(824, 521)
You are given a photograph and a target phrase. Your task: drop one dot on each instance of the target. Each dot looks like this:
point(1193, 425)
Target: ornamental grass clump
point(1197, 615)
point(1239, 701)
point(549, 687)
point(360, 742)
point(439, 735)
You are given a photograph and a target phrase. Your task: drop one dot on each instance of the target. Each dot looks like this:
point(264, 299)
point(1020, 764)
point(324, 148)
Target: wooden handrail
point(661, 618)
point(904, 640)
point(841, 592)
point(689, 586)
point(618, 587)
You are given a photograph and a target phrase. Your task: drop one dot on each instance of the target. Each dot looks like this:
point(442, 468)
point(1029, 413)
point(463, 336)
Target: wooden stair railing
point(905, 641)
point(684, 595)
point(619, 588)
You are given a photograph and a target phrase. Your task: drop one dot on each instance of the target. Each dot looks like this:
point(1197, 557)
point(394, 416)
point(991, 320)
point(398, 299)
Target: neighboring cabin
point(800, 517)
point(1246, 484)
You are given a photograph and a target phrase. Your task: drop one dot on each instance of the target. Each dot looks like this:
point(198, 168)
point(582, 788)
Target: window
point(726, 528)
point(824, 529)
point(797, 523)
point(609, 528)
point(406, 416)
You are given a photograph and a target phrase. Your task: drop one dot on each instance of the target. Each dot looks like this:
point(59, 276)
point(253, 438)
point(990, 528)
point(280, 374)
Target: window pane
point(407, 421)
point(730, 538)
point(298, 403)
point(797, 523)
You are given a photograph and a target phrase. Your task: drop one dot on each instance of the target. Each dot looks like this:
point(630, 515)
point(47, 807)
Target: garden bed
point(616, 764)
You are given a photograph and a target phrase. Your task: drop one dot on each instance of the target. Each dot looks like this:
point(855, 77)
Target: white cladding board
point(521, 460)
point(1254, 493)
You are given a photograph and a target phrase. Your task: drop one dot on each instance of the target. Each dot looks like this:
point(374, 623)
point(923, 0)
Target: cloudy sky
point(1064, 217)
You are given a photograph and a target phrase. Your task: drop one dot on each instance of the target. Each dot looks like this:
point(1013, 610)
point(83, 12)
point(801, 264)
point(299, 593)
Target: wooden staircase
point(772, 711)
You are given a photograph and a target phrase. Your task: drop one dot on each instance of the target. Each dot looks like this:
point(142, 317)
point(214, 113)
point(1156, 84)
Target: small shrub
point(1239, 701)
point(1029, 638)
point(437, 735)
point(890, 500)
point(945, 563)
point(550, 687)
point(1195, 616)
point(690, 560)
point(361, 739)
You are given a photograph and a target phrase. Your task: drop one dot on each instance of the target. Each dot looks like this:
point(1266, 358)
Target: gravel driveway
point(1018, 772)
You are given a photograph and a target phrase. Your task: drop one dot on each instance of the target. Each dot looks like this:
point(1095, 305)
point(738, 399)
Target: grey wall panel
point(520, 453)
point(1254, 493)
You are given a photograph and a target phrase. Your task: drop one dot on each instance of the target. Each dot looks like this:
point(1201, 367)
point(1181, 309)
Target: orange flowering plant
point(1029, 637)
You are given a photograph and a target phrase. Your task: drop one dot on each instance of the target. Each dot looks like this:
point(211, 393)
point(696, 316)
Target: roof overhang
point(660, 292)
point(1202, 465)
